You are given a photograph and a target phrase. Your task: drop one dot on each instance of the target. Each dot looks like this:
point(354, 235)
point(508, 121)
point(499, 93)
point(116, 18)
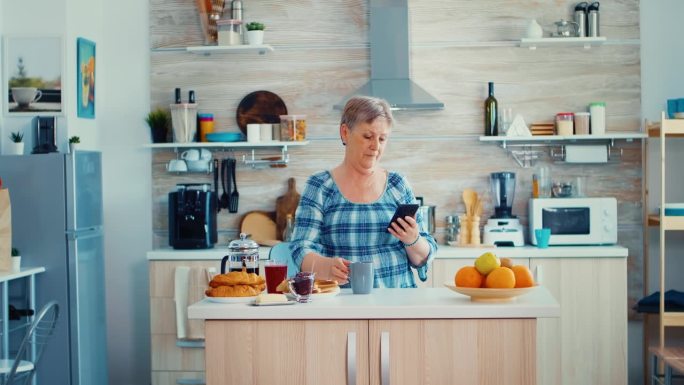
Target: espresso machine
point(192, 216)
point(503, 228)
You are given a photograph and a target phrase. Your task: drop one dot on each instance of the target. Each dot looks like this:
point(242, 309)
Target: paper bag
point(5, 231)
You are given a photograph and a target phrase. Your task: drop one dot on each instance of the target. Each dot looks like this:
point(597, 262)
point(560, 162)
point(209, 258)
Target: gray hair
point(365, 109)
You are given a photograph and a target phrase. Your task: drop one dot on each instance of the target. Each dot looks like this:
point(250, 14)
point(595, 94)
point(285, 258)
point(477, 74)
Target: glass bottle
point(451, 229)
point(289, 227)
point(491, 120)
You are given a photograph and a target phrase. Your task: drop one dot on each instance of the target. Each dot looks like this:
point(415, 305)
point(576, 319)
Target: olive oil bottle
point(491, 118)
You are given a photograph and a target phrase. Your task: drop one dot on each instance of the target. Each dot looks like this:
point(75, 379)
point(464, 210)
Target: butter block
point(270, 298)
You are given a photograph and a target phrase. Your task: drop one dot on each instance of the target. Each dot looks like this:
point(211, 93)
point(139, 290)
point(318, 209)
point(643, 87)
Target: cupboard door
point(588, 343)
point(444, 270)
point(452, 352)
point(286, 352)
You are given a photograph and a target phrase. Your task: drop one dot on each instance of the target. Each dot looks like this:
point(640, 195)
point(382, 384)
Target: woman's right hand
point(339, 270)
point(335, 268)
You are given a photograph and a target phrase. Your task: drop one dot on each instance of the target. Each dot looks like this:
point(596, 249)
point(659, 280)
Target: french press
point(242, 253)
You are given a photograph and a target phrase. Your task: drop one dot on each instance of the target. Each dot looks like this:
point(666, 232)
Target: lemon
point(486, 263)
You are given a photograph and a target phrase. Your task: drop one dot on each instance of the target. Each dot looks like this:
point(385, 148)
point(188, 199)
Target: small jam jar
point(229, 31)
point(242, 253)
point(564, 123)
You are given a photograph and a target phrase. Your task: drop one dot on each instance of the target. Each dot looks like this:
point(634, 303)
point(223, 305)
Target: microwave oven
point(575, 221)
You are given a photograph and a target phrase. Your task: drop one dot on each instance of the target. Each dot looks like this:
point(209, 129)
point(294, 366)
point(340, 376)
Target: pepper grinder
point(236, 9)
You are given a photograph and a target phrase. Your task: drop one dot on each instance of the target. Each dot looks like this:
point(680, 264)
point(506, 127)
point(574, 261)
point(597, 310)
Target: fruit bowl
point(477, 294)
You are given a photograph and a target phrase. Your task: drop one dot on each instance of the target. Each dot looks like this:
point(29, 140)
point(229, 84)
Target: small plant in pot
point(74, 141)
point(159, 121)
point(16, 146)
point(255, 33)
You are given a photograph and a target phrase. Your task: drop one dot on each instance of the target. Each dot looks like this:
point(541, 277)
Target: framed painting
point(85, 73)
point(33, 70)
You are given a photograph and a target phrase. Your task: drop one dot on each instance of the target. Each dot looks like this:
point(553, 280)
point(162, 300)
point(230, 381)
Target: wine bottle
point(491, 119)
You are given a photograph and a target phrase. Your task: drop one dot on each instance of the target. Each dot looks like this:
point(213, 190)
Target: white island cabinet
point(391, 336)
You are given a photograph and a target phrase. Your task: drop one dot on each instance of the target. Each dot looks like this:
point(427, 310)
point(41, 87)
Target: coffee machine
point(192, 216)
point(503, 228)
point(45, 138)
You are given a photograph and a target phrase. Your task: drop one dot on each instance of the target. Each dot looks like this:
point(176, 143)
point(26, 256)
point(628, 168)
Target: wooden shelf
point(671, 318)
point(586, 42)
point(675, 128)
point(564, 139)
point(654, 220)
point(228, 144)
point(671, 222)
point(210, 49)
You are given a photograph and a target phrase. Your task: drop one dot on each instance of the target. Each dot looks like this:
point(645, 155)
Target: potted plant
point(74, 141)
point(16, 146)
point(159, 121)
point(255, 33)
point(16, 259)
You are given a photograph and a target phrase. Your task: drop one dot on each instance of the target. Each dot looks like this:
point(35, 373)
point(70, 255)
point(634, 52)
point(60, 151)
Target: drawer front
point(166, 377)
point(167, 356)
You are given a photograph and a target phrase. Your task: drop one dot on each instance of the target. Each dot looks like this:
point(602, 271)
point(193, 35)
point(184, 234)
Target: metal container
point(243, 253)
point(581, 18)
point(428, 214)
point(593, 20)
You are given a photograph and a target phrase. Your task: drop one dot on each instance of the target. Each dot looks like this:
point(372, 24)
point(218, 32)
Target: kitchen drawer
point(167, 356)
point(165, 377)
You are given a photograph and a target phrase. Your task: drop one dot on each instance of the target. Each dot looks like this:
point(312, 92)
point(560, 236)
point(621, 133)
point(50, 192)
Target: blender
point(503, 228)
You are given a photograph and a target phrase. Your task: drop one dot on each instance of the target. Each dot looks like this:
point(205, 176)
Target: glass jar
point(229, 31)
point(243, 253)
point(598, 118)
point(564, 123)
point(292, 127)
point(581, 123)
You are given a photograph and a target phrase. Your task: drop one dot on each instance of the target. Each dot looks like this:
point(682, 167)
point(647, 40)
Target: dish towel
point(197, 284)
point(674, 301)
point(180, 296)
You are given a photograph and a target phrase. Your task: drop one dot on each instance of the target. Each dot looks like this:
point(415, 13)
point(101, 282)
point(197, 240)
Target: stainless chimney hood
point(390, 56)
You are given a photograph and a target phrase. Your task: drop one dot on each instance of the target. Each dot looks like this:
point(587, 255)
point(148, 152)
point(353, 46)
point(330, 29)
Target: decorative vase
point(73, 147)
point(534, 30)
point(255, 37)
point(15, 148)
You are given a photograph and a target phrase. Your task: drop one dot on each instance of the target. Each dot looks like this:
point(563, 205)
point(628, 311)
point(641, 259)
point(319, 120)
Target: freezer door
point(87, 308)
point(84, 190)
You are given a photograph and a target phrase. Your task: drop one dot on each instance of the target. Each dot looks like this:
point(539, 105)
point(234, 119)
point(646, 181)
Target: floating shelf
point(586, 42)
point(210, 49)
point(522, 149)
point(228, 144)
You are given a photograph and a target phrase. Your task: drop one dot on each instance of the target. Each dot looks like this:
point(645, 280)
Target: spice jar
point(292, 127)
point(229, 31)
point(564, 123)
point(242, 253)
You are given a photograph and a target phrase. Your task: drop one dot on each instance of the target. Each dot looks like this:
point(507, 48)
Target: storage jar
point(598, 118)
point(206, 125)
point(564, 123)
point(229, 32)
point(581, 123)
point(292, 127)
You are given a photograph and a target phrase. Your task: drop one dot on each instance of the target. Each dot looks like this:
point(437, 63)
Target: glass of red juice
point(275, 274)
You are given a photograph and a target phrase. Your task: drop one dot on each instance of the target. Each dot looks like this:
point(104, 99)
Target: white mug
point(253, 132)
point(205, 154)
point(177, 165)
point(191, 154)
point(26, 95)
point(266, 134)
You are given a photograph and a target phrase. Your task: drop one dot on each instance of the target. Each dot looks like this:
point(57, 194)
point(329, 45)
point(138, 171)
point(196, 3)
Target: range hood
point(390, 60)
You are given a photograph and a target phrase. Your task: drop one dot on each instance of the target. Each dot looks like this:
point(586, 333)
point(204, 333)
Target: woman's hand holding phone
point(403, 225)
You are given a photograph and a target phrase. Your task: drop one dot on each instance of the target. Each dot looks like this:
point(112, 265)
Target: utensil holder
point(469, 230)
point(184, 121)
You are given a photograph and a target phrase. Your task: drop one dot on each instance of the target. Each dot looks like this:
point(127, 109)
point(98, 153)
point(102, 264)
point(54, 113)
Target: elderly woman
point(344, 214)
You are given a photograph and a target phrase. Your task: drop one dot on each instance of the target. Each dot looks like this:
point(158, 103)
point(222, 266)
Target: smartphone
point(404, 210)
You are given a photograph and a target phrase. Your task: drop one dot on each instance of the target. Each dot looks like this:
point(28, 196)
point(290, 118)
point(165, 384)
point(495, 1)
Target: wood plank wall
point(321, 55)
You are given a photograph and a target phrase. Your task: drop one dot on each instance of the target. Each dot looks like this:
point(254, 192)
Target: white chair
point(280, 252)
point(19, 371)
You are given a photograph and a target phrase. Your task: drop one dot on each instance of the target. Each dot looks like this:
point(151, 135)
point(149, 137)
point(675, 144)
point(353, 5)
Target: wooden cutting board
point(286, 204)
point(259, 107)
point(260, 225)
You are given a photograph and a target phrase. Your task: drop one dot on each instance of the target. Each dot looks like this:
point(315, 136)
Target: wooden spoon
point(469, 198)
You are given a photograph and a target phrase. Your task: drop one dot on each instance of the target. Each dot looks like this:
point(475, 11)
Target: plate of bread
point(323, 288)
point(235, 287)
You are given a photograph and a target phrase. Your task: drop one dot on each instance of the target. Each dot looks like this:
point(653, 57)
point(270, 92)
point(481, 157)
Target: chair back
point(38, 334)
point(281, 253)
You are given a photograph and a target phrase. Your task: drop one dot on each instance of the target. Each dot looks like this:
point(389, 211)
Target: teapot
point(565, 28)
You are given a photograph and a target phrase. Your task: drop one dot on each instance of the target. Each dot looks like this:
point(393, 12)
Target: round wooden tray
point(489, 295)
point(259, 107)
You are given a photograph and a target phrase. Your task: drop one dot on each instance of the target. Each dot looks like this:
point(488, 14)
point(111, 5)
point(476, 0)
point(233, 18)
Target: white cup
point(177, 165)
point(192, 154)
point(266, 134)
point(253, 132)
point(205, 154)
point(26, 95)
point(16, 263)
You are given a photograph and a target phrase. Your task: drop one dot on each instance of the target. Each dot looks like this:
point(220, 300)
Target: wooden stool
point(673, 357)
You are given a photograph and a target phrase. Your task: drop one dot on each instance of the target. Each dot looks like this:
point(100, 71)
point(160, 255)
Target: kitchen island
point(397, 336)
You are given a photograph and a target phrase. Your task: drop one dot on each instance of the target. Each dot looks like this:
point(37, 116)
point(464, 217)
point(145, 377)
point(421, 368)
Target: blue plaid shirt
point(328, 224)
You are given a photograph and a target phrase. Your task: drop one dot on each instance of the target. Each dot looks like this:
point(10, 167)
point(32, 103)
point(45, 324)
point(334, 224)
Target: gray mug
point(361, 277)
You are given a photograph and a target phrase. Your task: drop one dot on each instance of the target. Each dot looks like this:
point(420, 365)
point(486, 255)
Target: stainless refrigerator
point(57, 223)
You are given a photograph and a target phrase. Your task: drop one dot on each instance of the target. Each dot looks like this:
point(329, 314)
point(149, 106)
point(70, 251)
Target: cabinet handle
point(351, 358)
point(190, 381)
point(538, 276)
point(384, 358)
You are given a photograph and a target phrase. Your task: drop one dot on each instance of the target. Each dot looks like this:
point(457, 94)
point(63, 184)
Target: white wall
point(662, 60)
point(124, 73)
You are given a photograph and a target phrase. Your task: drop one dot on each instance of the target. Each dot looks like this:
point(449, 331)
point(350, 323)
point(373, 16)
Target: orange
point(501, 278)
point(523, 276)
point(468, 276)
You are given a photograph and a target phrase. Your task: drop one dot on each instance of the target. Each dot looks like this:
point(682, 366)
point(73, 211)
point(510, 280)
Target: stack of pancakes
point(320, 286)
point(236, 284)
